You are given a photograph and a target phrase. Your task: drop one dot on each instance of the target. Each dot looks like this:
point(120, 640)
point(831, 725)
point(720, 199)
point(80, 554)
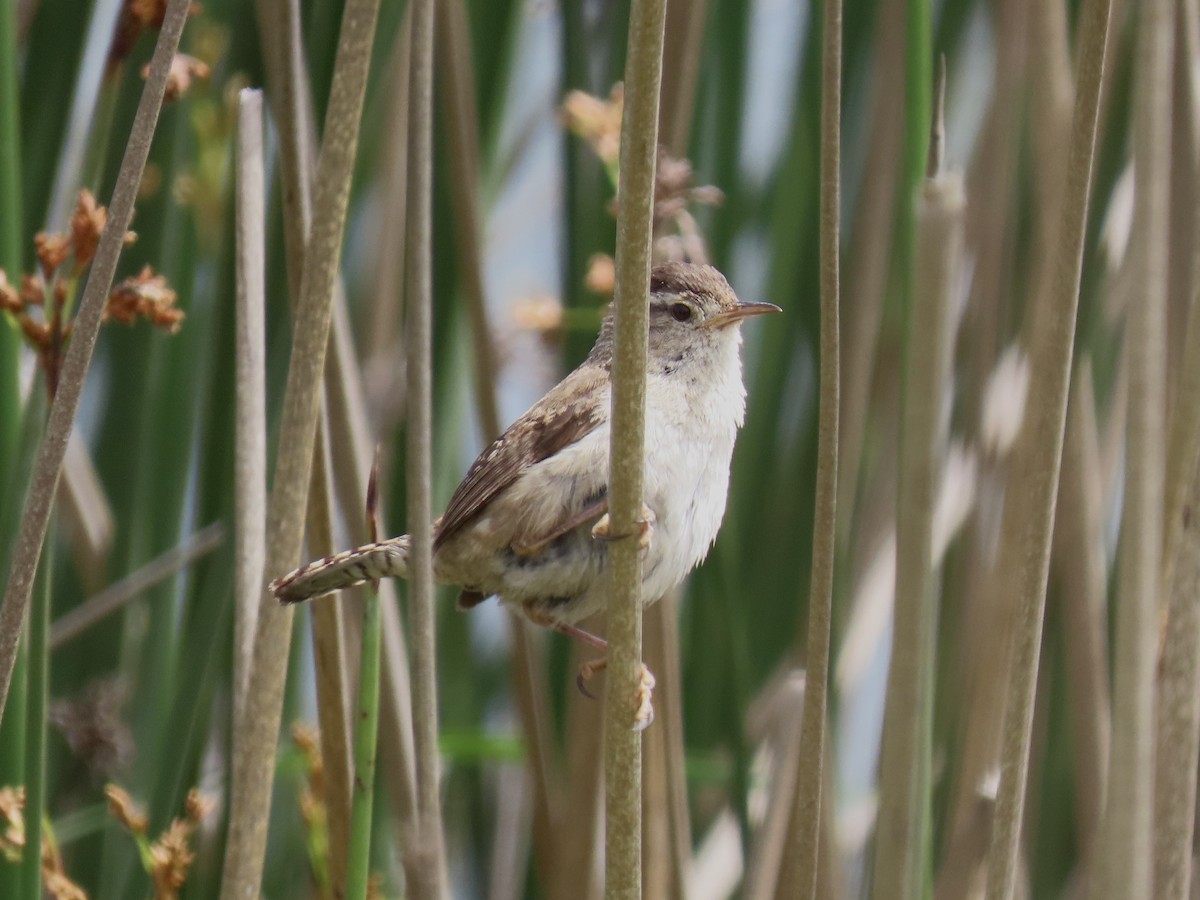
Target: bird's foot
point(644, 711)
point(645, 528)
point(644, 714)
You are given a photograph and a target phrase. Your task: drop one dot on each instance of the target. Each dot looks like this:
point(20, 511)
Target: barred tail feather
point(386, 559)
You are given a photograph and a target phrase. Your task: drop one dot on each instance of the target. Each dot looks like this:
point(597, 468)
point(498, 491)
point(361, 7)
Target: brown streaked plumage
point(521, 523)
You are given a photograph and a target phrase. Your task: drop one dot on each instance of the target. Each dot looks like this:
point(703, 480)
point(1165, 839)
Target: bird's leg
point(645, 523)
point(645, 689)
point(585, 515)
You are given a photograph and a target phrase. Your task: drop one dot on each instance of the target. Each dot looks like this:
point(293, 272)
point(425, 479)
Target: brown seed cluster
point(184, 70)
point(597, 121)
point(170, 856)
point(138, 16)
point(145, 296)
point(312, 795)
point(42, 305)
point(677, 235)
point(55, 882)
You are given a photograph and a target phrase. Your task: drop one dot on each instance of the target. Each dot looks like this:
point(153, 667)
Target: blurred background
point(527, 115)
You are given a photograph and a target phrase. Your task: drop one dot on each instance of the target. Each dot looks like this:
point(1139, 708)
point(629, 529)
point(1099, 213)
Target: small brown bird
point(529, 521)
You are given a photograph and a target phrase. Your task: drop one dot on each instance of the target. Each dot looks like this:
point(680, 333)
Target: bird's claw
point(645, 528)
point(587, 672)
point(644, 712)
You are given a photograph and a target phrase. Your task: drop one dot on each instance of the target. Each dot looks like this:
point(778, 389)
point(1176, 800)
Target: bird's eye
point(680, 312)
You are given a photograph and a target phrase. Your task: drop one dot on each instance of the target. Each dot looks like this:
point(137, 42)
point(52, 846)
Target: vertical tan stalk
point(577, 873)
point(809, 776)
point(352, 444)
point(870, 248)
point(1184, 379)
point(667, 847)
point(902, 835)
point(1126, 837)
point(1178, 720)
point(250, 462)
point(332, 671)
point(681, 72)
point(1179, 716)
point(1184, 188)
point(48, 466)
point(431, 881)
point(1029, 505)
point(623, 746)
point(258, 730)
point(456, 69)
point(532, 700)
point(663, 647)
point(1082, 576)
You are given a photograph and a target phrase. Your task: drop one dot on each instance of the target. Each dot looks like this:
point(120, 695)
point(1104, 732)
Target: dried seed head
point(33, 290)
point(122, 808)
point(543, 315)
point(12, 838)
point(148, 296)
point(59, 886)
point(170, 859)
point(138, 16)
point(198, 806)
point(36, 333)
point(10, 300)
point(87, 223)
point(601, 275)
point(597, 121)
point(53, 249)
point(184, 70)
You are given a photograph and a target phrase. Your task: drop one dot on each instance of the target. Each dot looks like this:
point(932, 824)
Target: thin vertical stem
point(12, 736)
point(820, 597)
point(622, 746)
point(250, 476)
point(365, 739)
point(1125, 857)
point(10, 238)
point(432, 881)
point(1178, 702)
point(532, 700)
point(1029, 508)
point(902, 840)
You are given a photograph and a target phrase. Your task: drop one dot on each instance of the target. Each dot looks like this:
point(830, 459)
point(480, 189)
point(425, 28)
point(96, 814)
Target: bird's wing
point(569, 412)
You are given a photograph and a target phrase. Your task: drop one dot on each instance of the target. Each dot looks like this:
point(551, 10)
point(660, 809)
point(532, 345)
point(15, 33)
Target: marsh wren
point(529, 522)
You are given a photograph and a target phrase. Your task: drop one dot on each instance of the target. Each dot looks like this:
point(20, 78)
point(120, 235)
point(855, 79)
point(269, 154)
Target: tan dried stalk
point(804, 841)
point(870, 248)
point(1029, 506)
point(250, 454)
point(1178, 719)
point(905, 761)
point(622, 746)
point(532, 699)
point(431, 880)
point(1125, 854)
point(1082, 576)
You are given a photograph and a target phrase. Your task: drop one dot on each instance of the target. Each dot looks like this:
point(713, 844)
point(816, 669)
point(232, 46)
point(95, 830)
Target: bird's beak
point(743, 310)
